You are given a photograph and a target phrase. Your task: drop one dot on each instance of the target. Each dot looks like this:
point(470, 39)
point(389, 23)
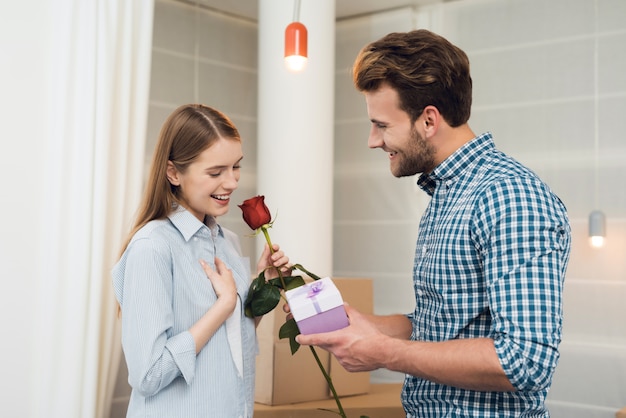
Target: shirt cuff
point(182, 347)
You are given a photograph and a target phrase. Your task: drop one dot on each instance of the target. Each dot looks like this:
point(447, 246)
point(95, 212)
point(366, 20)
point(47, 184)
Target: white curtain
point(101, 51)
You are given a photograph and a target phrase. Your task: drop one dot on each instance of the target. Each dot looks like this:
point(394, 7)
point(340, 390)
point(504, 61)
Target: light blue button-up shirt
point(163, 291)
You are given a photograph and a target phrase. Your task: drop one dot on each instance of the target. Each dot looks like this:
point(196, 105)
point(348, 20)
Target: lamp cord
point(296, 11)
point(596, 124)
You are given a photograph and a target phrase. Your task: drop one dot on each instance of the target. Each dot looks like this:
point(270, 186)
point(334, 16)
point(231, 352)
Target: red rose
point(255, 213)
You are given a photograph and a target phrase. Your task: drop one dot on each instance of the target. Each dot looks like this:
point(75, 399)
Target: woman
point(188, 345)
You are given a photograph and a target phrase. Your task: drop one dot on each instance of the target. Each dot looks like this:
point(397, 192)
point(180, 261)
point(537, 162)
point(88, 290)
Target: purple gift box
point(317, 307)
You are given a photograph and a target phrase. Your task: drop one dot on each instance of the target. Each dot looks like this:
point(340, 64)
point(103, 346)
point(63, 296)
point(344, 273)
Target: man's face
point(392, 131)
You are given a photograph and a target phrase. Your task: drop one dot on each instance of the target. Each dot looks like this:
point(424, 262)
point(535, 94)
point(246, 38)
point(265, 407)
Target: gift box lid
point(313, 298)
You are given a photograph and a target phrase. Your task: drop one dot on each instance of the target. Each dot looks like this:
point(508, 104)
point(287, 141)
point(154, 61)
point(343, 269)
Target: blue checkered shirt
point(490, 261)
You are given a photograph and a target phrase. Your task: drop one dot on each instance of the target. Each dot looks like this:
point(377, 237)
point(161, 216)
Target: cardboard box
point(383, 401)
point(358, 293)
point(317, 307)
point(282, 378)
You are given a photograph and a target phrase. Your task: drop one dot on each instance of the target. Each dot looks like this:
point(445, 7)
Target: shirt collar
point(454, 166)
point(189, 225)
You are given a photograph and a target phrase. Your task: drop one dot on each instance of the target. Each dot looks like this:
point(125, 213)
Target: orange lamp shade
point(295, 40)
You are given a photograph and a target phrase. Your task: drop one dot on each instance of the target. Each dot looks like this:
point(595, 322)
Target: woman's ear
point(172, 174)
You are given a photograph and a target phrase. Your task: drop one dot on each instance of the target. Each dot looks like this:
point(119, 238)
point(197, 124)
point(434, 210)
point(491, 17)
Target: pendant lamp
point(296, 42)
point(597, 228)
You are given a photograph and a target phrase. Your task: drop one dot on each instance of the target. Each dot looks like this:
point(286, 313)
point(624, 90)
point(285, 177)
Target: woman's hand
point(277, 259)
point(222, 281)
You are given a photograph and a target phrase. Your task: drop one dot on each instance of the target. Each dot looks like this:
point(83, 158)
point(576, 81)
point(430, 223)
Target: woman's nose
point(232, 180)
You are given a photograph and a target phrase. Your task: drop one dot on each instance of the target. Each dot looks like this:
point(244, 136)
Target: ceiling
point(344, 8)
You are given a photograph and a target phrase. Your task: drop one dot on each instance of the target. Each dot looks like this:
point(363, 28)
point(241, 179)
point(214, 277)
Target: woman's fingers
point(221, 278)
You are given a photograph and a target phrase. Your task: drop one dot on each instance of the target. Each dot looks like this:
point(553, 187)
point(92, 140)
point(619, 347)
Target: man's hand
point(358, 347)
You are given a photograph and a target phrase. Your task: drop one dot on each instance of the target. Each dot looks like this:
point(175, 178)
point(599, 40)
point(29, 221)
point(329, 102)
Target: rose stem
point(269, 242)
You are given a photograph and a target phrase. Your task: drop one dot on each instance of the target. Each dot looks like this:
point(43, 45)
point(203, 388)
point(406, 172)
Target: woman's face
point(206, 185)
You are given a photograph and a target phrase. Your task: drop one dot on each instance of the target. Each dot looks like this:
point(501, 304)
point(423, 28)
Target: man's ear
point(172, 174)
point(430, 120)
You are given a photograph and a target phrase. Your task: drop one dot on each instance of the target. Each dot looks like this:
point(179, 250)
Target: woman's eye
point(215, 174)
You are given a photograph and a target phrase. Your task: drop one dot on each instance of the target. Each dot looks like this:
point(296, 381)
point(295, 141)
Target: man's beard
point(418, 157)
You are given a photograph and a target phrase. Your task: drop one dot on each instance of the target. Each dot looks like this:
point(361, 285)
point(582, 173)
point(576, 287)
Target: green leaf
point(293, 282)
point(276, 282)
point(294, 345)
point(264, 295)
point(301, 268)
point(290, 330)
point(264, 300)
point(255, 285)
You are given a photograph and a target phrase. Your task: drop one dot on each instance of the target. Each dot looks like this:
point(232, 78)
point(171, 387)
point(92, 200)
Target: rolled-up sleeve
point(526, 245)
point(527, 320)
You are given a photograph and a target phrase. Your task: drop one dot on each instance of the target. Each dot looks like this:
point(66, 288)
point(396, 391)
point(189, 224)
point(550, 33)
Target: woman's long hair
point(187, 132)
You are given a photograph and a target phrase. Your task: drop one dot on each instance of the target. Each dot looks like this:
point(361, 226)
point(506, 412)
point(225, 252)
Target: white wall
point(538, 88)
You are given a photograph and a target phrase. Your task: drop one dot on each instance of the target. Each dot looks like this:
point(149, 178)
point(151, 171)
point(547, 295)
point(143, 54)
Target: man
point(491, 255)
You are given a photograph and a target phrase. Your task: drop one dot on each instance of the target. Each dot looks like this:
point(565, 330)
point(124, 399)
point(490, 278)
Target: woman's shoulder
point(158, 233)
point(153, 238)
point(153, 229)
